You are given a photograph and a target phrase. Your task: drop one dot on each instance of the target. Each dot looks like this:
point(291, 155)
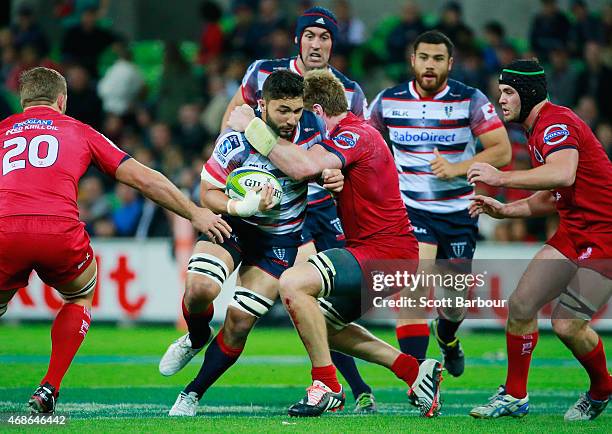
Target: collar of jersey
point(416, 95)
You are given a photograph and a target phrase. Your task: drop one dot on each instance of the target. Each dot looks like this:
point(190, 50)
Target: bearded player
point(44, 155)
point(433, 124)
point(264, 242)
point(573, 177)
point(315, 33)
point(377, 228)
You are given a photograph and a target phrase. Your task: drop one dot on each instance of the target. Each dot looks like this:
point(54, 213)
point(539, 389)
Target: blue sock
point(413, 340)
point(347, 367)
point(217, 359)
point(447, 329)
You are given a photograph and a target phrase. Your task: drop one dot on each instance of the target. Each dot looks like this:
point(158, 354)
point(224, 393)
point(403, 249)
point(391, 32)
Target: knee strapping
point(209, 266)
point(85, 290)
point(332, 317)
point(251, 302)
point(326, 269)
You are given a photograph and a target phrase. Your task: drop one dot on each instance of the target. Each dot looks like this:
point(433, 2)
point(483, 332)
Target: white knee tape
point(87, 289)
point(209, 266)
point(326, 270)
point(332, 317)
point(251, 302)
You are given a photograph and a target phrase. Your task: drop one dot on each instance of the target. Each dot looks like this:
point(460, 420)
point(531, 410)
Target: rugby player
point(315, 34)
point(264, 242)
point(377, 229)
point(44, 155)
point(433, 124)
point(573, 177)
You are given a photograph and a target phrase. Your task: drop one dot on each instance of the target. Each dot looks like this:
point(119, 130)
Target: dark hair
point(283, 84)
point(496, 28)
point(434, 37)
point(210, 11)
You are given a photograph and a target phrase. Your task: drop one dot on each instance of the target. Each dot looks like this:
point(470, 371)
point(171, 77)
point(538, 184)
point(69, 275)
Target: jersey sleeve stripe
point(212, 178)
point(559, 148)
point(335, 152)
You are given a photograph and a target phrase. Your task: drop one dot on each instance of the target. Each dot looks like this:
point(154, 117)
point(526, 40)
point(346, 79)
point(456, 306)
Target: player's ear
point(317, 109)
point(61, 102)
point(450, 64)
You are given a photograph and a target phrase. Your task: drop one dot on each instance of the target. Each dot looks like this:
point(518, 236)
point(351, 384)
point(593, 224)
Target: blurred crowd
point(162, 101)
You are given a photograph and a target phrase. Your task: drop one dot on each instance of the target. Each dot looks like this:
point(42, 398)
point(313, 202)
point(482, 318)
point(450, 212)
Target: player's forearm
point(545, 177)
point(215, 200)
point(294, 161)
point(497, 156)
point(160, 190)
point(538, 204)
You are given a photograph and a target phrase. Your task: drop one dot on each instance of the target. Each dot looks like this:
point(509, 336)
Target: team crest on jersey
point(346, 139)
point(279, 253)
point(448, 110)
point(229, 145)
point(555, 134)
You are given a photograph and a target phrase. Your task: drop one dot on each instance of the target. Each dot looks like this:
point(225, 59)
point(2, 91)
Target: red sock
point(519, 350)
point(67, 333)
point(326, 375)
point(595, 364)
point(406, 368)
point(197, 324)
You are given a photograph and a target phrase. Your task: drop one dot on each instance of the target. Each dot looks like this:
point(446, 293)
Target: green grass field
point(114, 386)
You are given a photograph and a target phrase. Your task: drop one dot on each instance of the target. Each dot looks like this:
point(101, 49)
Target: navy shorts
point(253, 247)
point(454, 233)
point(322, 226)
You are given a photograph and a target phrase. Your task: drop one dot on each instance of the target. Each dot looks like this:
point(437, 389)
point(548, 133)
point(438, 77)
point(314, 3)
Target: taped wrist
point(260, 136)
point(246, 207)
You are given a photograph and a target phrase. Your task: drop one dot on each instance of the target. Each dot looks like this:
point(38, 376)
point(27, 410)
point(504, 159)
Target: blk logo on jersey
point(555, 134)
point(346, 140)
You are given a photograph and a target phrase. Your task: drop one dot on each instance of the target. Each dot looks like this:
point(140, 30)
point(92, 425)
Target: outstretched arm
point(558, 171)
point(159, 189)
point(539, 204)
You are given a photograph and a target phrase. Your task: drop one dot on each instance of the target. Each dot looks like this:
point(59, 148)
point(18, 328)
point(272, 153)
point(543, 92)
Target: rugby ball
point(242, 179)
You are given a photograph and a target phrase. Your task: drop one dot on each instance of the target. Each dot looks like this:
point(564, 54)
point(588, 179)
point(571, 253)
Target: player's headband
point(529, 80)
point(317, 17)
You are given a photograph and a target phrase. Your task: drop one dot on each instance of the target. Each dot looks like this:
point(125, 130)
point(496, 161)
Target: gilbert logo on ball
point(240, 180)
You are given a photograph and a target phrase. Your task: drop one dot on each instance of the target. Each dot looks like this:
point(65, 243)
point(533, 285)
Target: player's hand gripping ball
point(240, 180)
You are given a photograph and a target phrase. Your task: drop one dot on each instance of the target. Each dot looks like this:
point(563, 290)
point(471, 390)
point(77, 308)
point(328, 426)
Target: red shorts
point(57, 248)
point(586, 249)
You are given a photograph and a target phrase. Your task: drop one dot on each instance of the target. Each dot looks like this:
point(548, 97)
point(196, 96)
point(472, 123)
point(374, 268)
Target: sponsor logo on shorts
point(83, 263)
point(346, 140)
point(337, 225)
point(459, 248)
point(586, 254)
point(555, 134)
point(418, 230)
point(279, 252)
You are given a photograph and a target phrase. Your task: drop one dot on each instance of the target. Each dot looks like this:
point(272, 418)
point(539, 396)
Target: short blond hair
point(41, 85)
point(324, 88)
